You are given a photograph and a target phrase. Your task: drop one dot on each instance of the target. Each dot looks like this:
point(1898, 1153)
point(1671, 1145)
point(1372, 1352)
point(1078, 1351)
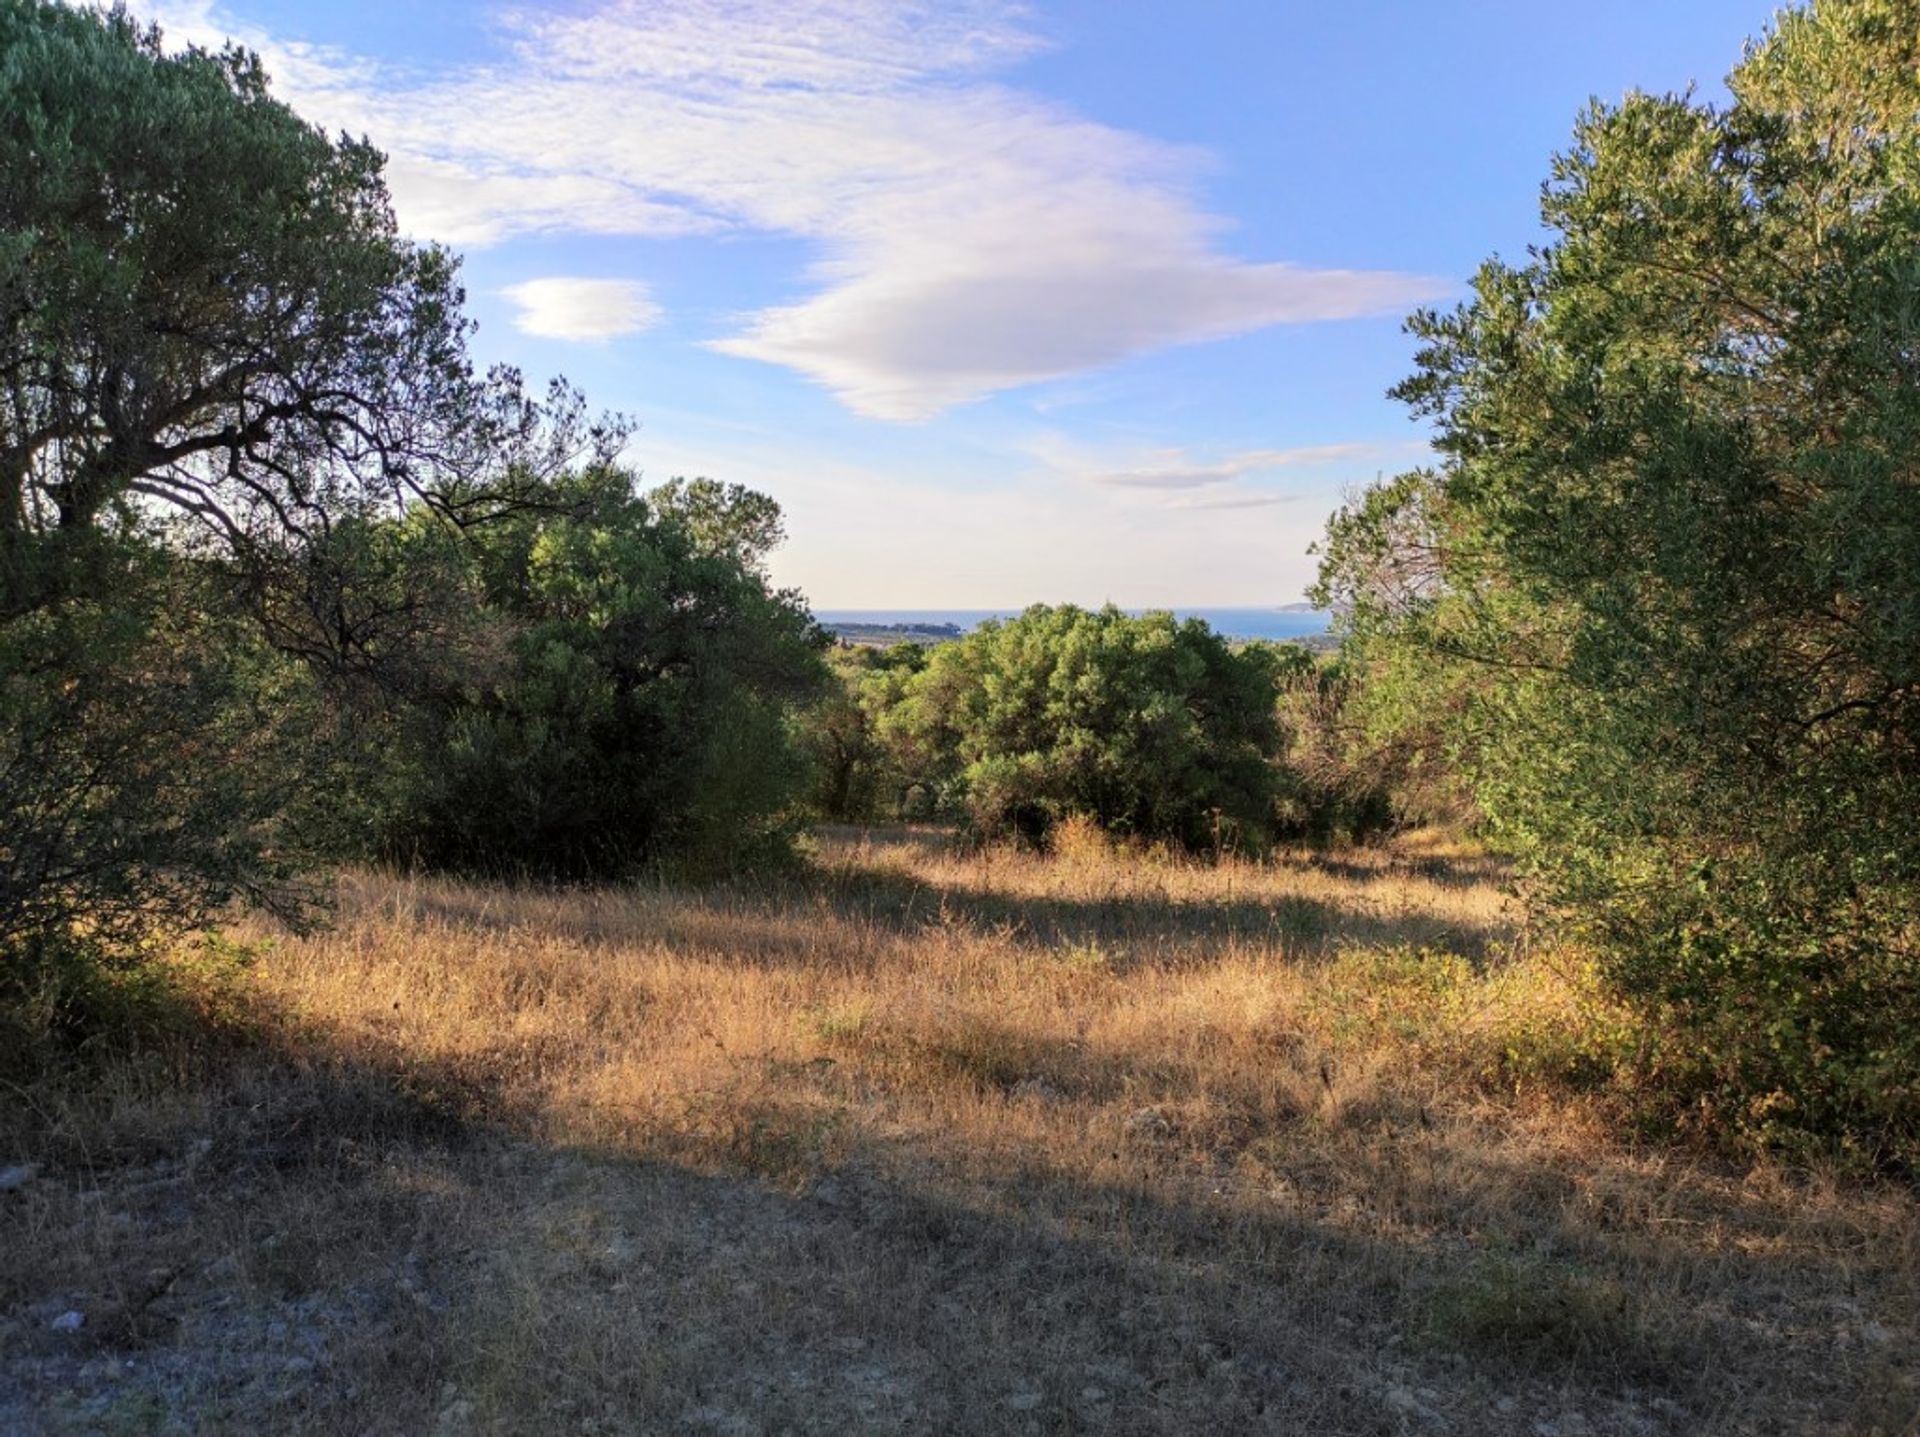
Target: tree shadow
point(375, 1242)
point(785, 919)
point(1143, 924)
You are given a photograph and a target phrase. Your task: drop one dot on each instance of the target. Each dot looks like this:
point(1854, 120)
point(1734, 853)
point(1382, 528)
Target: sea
point(1230, 623)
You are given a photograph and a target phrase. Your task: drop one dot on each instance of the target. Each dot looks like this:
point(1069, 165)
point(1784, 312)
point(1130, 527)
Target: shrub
point(636, 709)
point(1663, 580)
point(1152, 727)
point(149, 746)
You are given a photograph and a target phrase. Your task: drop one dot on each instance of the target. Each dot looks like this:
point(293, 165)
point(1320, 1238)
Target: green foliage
point(629, 701)
point(1343, 776)
point(206, 301)
point(225, 373)
point(1663, 583)
point(859, 766)
point(150, 746)
point(1152, 727)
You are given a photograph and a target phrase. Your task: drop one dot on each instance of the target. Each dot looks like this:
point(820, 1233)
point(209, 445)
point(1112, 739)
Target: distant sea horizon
point(1233, 623)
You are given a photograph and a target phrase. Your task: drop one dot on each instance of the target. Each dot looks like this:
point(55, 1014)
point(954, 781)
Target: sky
point(1066, 301)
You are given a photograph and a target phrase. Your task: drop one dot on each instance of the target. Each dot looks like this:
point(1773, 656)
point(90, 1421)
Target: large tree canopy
point(223, 375)
point(204, 302)
point(1668, 571)
point(634, 705)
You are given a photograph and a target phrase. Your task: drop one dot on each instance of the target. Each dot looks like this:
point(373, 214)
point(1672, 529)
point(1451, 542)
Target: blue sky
point(1075, 300)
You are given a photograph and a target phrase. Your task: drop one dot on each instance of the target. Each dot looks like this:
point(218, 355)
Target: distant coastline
point(1299, 622)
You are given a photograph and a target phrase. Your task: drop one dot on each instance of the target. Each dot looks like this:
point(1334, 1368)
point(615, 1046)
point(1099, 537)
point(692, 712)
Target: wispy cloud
point(971, 237)
point(1172, 469)
point(1237, 501)
point(590, 311)
point(1180, 480)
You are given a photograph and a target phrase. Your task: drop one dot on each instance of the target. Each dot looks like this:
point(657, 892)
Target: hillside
point(925, 1139)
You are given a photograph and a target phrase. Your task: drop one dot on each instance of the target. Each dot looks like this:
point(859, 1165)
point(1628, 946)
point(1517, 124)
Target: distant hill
point(885, 636)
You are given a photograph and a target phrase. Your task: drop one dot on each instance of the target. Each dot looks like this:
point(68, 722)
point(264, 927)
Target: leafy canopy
point(1151, 726)
point(627, 698)
point(1665, 578)
point(205, 304)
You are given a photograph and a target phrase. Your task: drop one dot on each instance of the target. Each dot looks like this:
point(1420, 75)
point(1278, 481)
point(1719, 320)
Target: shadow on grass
point(785, 920)
point(1144, 924)
point(320, 1239)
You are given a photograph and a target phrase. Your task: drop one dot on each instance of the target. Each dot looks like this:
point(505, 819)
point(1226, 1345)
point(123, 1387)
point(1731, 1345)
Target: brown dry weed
point(931, 1139)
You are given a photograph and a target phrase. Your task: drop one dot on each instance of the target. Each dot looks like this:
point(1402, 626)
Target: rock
point(1093, 1394)
point(18, 1176)
point(1025, 1401)
point(69, 1322)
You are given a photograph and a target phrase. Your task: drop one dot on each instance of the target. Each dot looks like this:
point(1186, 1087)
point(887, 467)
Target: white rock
point(1024, 1401)
point(69, 1322)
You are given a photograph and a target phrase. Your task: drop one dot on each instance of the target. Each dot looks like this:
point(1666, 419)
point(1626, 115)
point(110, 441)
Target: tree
point(857, 774)
point(221, 371)
point(1151, 726)
point(205, 303)
point(154, 755)
point(635, 707)
point(1665, 572)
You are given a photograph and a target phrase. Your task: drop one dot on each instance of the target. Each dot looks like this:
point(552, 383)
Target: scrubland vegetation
point(939, 1138)
point(430, 999)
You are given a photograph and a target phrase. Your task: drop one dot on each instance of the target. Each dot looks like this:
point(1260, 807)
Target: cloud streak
point(970, 237)
point(589, 311)
point(1172, 469)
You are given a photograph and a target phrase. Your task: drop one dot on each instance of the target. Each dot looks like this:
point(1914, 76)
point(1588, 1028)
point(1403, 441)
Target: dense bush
point(1343, 775)
point(1664, 578)
point(860, 771)
point(1152, 727)
point(151, 749)
point(626, 695)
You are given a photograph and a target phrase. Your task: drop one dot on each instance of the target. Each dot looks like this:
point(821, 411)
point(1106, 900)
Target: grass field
point(928, 1140)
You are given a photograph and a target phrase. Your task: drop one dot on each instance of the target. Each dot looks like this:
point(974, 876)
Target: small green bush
point(1154, 728)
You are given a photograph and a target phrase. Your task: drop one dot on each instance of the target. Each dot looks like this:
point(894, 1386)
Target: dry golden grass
point(933, 1140)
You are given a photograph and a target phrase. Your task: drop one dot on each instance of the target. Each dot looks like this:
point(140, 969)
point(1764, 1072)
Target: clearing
point(926, 1140)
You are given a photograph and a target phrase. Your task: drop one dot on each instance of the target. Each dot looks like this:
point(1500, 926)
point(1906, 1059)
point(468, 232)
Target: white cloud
point(591, 311)
point(971, 237)
point(1239, 501)
point(1173, 469)
point(1178, 480)
point(946, 537)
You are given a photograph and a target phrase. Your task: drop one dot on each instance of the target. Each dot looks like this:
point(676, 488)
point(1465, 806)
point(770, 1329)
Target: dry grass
point(932, 1141)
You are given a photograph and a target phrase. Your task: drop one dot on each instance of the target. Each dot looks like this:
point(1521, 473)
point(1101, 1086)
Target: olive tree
point(1664, 576)
point(220, 363)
